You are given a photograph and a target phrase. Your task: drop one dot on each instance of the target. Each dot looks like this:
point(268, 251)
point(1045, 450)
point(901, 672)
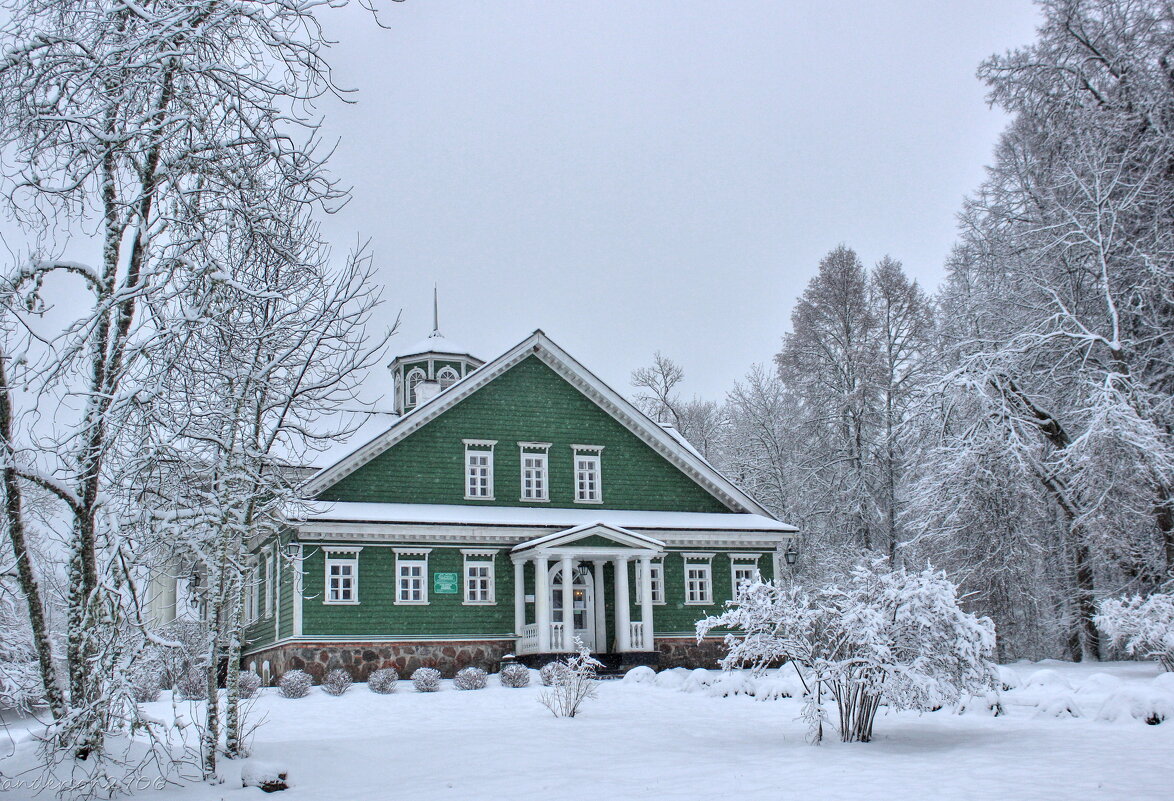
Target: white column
point(542, 602)
point(646, 599)
point(600, 609)
point(298, 590)
point(519, 597)
point(568, 571)
point(623, 616)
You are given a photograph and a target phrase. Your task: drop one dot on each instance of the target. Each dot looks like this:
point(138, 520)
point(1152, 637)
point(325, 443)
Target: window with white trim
point(446, 377)
point(588, 481)
point(479, 577)
point(414, 377)
point(535, 474)
point(656, 571)
point(411, 571)
point(479, 470)
point(252, 597)
point(342, 577)
point(742, 572)
point(698, 579)
point(270, 582)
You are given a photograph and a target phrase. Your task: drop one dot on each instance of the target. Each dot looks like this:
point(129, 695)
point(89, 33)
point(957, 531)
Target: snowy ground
point(676, 739)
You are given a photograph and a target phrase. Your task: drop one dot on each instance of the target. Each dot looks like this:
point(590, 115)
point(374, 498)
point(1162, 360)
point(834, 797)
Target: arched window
point(447, 377)
point(415, 376)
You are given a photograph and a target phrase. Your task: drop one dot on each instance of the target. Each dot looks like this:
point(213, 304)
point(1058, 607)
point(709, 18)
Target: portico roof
point(614, 534)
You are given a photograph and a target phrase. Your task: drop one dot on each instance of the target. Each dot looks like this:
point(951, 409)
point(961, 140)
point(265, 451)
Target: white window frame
point(479, 447)
point(252, 597)
point(656, 568)
point(540, 451)
point(442, 373)
point(410, 388)
point(743, 562)
point(702, 562)
point(593, 453)
point(340, 557)
point(270, 582)
point(475, 558)
point(411, 557)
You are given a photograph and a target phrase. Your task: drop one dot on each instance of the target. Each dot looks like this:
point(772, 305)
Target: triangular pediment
point(593, 536)
point(687, 462)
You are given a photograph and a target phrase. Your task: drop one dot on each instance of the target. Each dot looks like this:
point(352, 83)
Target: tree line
point(1013, 427)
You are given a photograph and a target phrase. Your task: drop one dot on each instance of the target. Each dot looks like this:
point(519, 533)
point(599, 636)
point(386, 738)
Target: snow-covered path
point(640, 741)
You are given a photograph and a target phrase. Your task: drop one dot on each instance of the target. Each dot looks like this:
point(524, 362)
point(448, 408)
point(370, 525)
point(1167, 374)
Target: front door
point(583, 600)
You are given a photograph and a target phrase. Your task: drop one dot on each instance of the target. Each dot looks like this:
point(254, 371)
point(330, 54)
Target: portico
point(561, 591)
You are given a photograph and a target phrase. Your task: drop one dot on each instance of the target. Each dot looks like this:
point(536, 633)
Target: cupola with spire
point(430, 366)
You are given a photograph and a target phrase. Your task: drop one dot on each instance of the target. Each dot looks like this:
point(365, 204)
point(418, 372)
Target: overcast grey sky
point(634, 176)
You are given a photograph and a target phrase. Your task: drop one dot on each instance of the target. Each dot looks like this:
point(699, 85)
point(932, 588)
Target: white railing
point(556, 637)
point(528, 643)
point(636, 635)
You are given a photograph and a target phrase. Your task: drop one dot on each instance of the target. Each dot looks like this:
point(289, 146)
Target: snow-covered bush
point(1008, 678)
point(1147, 704)
point(1099, 683)
point(673, 678)
point(382, 681)
point(1144, 627)
point(574, 685)
point(470, 678)
point(552, 673)
point(699, 679)
point(514, 675)
point(989, 703)
point(187, 650)
point(732, 682)
point(144, 683)
point(882, 636)
point(249, 682)
point(267, 776)
point(776, 684)
point(336, 682)
point(1058, 704)
point(192, 686)
point(1164, 681)
point(295, 684)
point(641, 674)
point(1046, 679)
point(426, 680)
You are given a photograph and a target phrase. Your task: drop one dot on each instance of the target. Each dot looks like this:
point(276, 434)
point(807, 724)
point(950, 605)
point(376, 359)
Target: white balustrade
point(556, 637)
point(529, 641)
point(636, 635)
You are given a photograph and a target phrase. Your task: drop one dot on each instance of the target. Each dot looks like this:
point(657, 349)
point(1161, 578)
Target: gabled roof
point(620, 536)
point(563, 364)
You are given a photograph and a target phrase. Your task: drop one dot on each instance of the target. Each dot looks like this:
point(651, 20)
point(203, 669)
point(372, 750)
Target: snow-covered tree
point(883, 636)
point(574, 685)
point(1142, 626)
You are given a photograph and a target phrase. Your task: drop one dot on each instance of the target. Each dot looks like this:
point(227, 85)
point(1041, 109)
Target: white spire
point(435, 313)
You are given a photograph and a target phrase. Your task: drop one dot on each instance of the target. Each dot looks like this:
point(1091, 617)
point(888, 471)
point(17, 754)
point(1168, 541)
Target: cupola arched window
point(447, 377)
point(415, 376)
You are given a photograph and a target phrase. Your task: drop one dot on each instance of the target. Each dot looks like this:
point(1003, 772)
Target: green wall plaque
point(445, 583)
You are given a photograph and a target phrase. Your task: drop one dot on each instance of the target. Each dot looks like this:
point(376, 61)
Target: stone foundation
point(686, 652)
point(363, 659)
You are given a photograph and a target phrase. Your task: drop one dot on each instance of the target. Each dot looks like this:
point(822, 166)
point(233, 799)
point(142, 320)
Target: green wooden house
point(511, 507)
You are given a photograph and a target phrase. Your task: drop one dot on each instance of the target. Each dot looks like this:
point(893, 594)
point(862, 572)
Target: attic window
point(479, 469)
point(447, 377)
point(415, 376)
point(588, 478)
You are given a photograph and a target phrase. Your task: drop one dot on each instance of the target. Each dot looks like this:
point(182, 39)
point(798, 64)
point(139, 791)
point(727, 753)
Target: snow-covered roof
point(435, 343)
point(460, 514)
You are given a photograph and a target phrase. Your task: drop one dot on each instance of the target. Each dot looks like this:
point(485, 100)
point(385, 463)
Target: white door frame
point(585, 579)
